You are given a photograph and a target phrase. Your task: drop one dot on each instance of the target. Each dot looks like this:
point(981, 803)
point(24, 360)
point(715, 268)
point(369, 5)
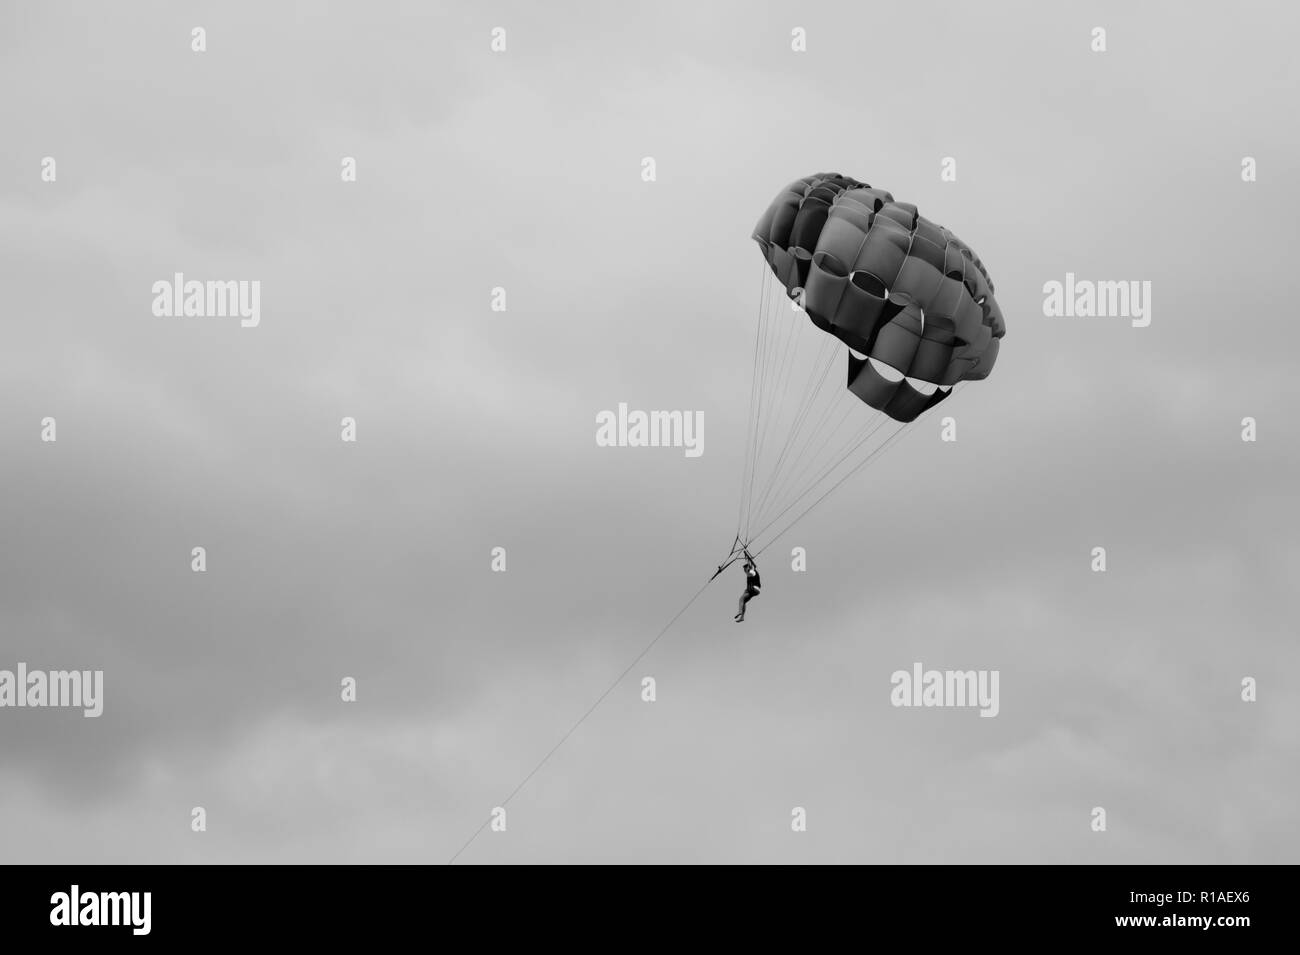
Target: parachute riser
point(738, 550)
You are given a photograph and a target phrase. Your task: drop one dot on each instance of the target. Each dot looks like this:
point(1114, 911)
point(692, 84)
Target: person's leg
point(744, 599)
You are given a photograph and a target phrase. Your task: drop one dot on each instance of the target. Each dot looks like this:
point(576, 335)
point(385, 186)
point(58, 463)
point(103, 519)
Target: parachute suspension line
point(749, 416)
point(812, 391)
point(791, 371)
point(760, 376)
point(760, 372)
point(770, 432)
point(855, 445)
point(760, 395)
point(767, 399)
point(836, 397)
point(776, 394)
point(884, 445)
point(773, 484)
point(794, 481)
point(779, 497)
point(894, 438)
point(795, 449)
point(843, 449)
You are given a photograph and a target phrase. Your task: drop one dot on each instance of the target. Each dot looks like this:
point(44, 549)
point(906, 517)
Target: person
point(752, 584)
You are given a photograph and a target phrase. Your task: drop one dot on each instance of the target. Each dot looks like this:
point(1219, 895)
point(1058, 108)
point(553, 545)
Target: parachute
point(910, 304)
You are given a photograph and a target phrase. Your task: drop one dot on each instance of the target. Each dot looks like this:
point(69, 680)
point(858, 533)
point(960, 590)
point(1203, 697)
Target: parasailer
point(909, 305)
point(752, 584)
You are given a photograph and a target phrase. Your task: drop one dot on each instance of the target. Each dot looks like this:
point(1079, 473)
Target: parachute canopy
point(889, 283)
point(911, 301)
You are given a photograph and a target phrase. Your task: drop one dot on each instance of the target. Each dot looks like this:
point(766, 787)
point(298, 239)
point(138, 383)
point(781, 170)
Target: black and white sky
point(522, 170)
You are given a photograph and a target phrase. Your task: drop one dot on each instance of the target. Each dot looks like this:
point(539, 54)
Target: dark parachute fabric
point(888, 283)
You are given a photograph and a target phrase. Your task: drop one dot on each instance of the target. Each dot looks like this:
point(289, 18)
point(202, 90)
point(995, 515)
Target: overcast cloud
point(476, 430)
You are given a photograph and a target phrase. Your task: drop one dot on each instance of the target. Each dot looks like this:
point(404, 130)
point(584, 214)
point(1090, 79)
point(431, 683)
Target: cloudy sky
point(476, 430)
